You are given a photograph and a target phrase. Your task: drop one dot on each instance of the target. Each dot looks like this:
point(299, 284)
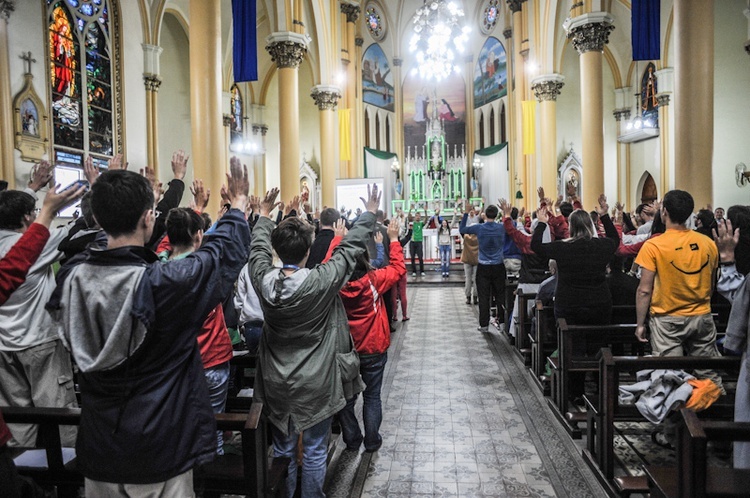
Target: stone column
point(152, 81)
point(207, 154)
point(623, 186)
point(589, 33)
point(287, 50)
point(511, 116)
point(351, 13)
point(694, 98)
point(6, 99)
point(471, 141)
point(747, 43)
point(663, 100)
point(398, 122)
point(358, 114)
point(519, 95)
point(546, 89)
point(326, 98)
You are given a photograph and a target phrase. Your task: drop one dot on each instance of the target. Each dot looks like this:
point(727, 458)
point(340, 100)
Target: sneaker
point(468, 300)
point(476, 300)
point(423, 274)
point(484, 330)
point(414, 274)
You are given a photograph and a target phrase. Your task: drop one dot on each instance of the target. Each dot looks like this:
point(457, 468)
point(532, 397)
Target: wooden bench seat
point(247, 474)
point(693, 477)
point(523, 326)
point(604, 410)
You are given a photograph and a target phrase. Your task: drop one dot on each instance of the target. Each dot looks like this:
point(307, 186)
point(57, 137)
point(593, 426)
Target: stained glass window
point(490, 15)
point(374, 23)
point(237, 117)
point(81, 77)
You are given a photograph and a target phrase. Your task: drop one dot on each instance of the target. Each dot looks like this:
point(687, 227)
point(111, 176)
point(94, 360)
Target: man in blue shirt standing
point(491, 270)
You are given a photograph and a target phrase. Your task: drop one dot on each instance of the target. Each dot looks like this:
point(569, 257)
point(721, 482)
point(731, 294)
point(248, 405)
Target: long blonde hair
point(581, 226)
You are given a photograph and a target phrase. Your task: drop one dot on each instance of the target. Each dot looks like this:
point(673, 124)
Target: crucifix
point(28, 60)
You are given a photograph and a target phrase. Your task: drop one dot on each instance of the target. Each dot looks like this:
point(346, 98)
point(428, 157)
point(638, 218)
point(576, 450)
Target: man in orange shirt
point(678, 271)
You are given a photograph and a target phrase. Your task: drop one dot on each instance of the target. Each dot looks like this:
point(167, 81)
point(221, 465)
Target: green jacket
point(307, 366)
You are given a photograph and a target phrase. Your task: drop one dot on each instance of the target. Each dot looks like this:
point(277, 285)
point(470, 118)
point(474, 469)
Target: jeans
point(315, 444)
point(218, 387)
point(490, 281)
point(445, 258)
point(371, 368)
point(252, 337)
point(415, 248)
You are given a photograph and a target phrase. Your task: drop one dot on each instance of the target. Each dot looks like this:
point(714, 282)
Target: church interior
point(441, 103)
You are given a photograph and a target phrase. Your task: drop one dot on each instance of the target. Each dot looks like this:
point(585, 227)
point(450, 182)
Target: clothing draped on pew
point(657, 392)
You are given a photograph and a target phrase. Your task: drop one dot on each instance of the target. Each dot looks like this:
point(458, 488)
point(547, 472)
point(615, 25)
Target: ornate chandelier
point(436, 24)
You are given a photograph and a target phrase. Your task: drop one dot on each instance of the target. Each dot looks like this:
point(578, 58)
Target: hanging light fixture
point(436, 24)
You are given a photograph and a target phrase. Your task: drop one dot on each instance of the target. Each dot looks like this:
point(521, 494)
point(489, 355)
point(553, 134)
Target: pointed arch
point(367, 128)
point(492, 126)
point(481, 130)
point(377, 130)
point(388, 133)
point(503, 135)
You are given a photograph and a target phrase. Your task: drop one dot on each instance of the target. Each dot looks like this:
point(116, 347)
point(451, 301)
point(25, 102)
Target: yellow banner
point(529, 126)
point(345, 135)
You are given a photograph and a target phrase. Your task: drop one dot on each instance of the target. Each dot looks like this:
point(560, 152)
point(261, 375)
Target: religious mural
point(490, 73)
point(30, 118)
point(377, 79)
point(78, 123)
point(445, 100)
point(236, 116)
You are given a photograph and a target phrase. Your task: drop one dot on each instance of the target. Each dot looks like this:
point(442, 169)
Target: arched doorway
point(648, 192)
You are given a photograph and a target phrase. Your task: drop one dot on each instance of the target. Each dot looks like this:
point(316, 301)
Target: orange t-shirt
point(685, 263)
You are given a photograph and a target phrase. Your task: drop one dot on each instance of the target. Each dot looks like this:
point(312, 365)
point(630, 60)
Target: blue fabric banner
point(645, 30)
point(244, 16)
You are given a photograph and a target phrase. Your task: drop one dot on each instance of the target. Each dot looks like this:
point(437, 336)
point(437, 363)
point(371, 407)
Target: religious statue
point(649, 95)
point(436, 156)
point(571, 185)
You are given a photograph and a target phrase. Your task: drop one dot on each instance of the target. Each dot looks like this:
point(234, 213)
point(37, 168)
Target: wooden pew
point(603, 411)
point(543, 344)
point(248, 474)
point(511, 285)
point(523, 326)
point(693, 477)
point(589, 338)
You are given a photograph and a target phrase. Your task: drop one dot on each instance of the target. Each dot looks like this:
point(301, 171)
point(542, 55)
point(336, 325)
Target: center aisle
point(460, 417)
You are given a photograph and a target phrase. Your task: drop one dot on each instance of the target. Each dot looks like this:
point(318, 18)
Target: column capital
point(6, 8)
point(359, 41)
point(287, 48)
point(151, 56)
point(507, 33)
point(152, 82)
point(352, 11)
point(398, 61)
point(227, 120)
point(662, 98)
point(263, 130)
point(547, 86)
point(589, 32)
point(325, 96)
point(621, 114)
point(515, 5)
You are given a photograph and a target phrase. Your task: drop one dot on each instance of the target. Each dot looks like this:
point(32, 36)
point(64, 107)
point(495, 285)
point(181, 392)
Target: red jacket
point(16, 263)
point(364, 303)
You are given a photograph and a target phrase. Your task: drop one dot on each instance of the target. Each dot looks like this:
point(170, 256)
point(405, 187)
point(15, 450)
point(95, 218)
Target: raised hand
point(116, 163)
point(378, 237)
point(269, 202)
point(373, 198)
point(156, 186)
point(726, 239)
point(179, 164)
point(200, 195)
point(504, 207)
point(339, 228)
point(238, 184)
point(54, 201)
point(542, 215)
point(522, 212)
point(294, 204)
point(558, 202)
point(540, 193)
point(254, 203)
point(90, 171)
point(394, 228)
point(602, 207)
point(41, 175)
point(224, 193)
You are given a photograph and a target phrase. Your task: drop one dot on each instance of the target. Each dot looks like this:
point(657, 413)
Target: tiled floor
point(460, 417)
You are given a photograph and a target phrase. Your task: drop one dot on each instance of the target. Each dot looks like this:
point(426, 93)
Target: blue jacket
point(131, 324)
point(491, 237)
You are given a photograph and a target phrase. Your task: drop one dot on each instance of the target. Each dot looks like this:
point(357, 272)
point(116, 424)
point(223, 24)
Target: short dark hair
point(491, 211)
point(207, 222)
point(679, 204)
point(182, 225)
point(706, 217)
point(118, 199)
point(292, 240)
point(640, 208)
point(566, 208)
point(14, 205)
point(86, 212)
point(329, 216)
point(514, 213)
point(380, 215)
